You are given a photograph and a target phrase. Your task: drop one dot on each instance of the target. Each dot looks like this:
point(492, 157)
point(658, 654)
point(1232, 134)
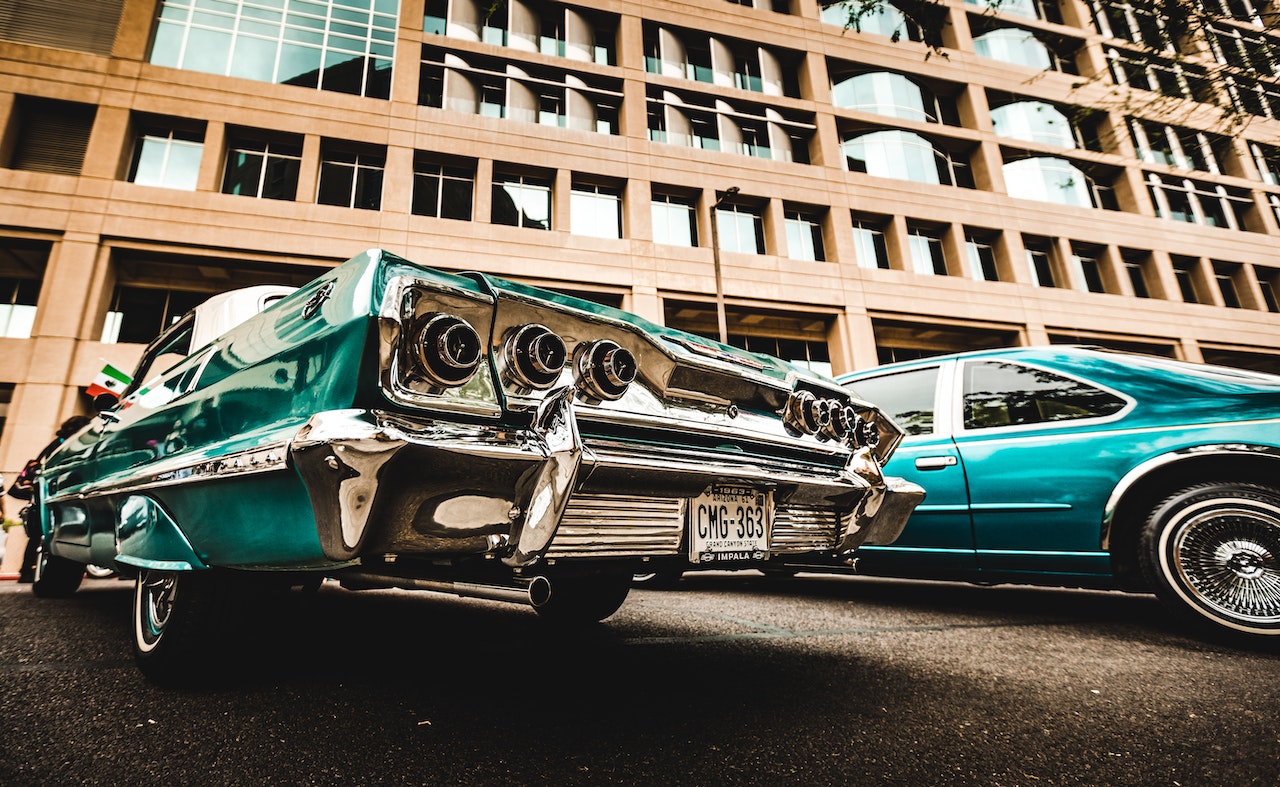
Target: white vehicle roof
point(226, 310)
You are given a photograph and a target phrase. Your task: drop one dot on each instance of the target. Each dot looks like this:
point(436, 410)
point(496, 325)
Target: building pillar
point(633, 119)
point(215, 146)
point(857, 340)
point(775, 228)
point(134, 33)
point(637, 215)
point(484, 191)
point(309, 169)
point(397, 184)
point(107, 154)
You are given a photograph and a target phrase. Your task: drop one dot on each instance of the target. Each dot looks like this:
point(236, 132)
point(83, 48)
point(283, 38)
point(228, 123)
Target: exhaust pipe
point(535, 592)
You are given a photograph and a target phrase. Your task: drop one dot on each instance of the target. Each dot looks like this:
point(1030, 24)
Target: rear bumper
point(382, 483)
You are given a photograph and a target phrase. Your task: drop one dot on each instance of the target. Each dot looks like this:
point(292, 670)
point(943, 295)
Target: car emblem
point(317, 300)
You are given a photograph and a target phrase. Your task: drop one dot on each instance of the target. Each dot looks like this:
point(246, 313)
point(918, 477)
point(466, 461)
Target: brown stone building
point(873, 203)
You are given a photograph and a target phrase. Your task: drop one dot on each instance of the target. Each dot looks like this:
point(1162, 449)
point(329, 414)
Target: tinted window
point(1004, 394)
point(906, 396)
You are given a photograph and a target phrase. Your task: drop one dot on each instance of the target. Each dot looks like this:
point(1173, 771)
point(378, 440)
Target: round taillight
point(535, 356)
point(806, 413)
point(605, 369)
point(843, 419)
point(449, 350)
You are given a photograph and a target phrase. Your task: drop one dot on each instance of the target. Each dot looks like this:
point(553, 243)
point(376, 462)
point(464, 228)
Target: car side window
point(163, 356)
point(908, 397)
point(1006, 394)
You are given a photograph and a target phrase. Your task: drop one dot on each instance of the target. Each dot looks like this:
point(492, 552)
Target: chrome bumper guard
point(383, 483)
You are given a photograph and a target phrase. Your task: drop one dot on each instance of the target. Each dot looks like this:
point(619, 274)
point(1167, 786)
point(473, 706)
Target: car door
point(1037, 445)
point(938, 538)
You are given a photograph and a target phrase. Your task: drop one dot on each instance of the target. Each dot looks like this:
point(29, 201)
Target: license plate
point(729, 524)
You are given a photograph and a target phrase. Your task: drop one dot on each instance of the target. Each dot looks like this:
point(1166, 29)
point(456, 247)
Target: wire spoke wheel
point(154, 596)
point(1212, 552)
point(1231, 556)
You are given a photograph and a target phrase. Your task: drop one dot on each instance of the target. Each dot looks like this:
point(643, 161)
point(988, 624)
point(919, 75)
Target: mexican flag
point(109, 381)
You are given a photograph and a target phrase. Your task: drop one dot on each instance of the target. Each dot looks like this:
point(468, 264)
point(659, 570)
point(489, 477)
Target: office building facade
point(1032, 175)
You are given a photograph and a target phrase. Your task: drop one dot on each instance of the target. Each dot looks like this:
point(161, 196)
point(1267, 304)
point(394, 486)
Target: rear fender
point(149, 538)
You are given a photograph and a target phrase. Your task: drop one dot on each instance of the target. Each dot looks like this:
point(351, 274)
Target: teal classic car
point(1074, 466)
point(389, 425)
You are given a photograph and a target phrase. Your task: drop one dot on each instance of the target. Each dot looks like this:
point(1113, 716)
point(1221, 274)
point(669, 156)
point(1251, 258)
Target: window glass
point(881, 93)
point(521, 201)
point(740, 230)
point(18, 307)
point(907, 397)
point(1047, 179)
point(893, 154)
point(595, 211)
point(442, 191)
point(329, 46)
point(263, 169)
point(1011, 45)
point(1033, 121)
point(1005, 394)
point(804, 237)
point(674, 222)
point(869, 246)
point(350, 179)
point(167, 158)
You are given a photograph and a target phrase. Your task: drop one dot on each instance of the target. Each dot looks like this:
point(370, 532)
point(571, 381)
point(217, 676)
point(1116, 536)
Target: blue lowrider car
point(1074, 466)
point(390, 425)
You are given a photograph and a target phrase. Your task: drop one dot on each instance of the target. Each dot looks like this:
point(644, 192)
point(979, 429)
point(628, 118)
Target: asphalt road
point(813, 681)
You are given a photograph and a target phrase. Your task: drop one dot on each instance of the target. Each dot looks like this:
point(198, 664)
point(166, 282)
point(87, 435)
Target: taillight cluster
point(449, 351)
point(829, 419)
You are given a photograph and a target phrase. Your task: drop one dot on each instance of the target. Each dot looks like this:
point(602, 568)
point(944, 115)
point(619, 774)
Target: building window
point(1177, 147)
point(1212, 205)
point(1267, 158)
point(811, 354)
point(868, 244)
point(1089, 271)
point(1136, 269)
point(1269, 282)
point(1048, 179)
point(804, 235)
point(1225, 276)
point(741, 229)
point(18, 307)
point(903, 155)
point(1256, 52)
point(262, 168)
point(1016, 46)
point(675, 221)
point(1040, 266)
point(925, 248)
point(595, 210)
point(982, 257)
point(1034, 121)
point(1135, 24)
point(1044, 10)
point(443, 189)
point(52, 136)
point(881, 19)
point(522, 201)
point(883, 93)
point(351, 177)
point(1254, 97)
point(1170, 78)
point(139, 314)
point(169, 158)
point(1184, 274)
point(345, 46)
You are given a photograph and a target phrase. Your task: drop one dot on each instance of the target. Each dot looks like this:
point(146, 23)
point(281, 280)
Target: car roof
point(1069, 356)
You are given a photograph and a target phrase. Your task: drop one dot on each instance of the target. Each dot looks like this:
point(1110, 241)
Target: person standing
point(23, 488)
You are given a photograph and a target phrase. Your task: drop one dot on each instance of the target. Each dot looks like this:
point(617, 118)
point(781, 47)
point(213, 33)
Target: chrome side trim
point(240, 463)
point(1139, 471)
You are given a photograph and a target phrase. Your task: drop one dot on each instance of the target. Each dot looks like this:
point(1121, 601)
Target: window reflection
point(1011, 45)
point(1005, 394)
point(893, 154)
point(1047, 179)
point(882, 93)
point(908, 397)
point(1034, 121)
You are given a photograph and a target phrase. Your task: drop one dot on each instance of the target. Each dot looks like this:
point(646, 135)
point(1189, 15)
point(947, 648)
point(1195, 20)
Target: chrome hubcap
point(154, 605)
point(1230, 557)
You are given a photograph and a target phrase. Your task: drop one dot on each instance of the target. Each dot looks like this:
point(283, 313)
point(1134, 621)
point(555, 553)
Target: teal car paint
point(1077, 466)
point(390, 425)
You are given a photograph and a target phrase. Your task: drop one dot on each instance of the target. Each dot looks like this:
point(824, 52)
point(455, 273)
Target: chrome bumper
point(384, 483)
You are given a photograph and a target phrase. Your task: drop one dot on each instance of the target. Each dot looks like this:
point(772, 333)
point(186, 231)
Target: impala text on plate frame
point(730, 523)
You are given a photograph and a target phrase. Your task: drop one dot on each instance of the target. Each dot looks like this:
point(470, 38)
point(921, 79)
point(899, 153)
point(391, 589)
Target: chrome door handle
point(935, 462)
